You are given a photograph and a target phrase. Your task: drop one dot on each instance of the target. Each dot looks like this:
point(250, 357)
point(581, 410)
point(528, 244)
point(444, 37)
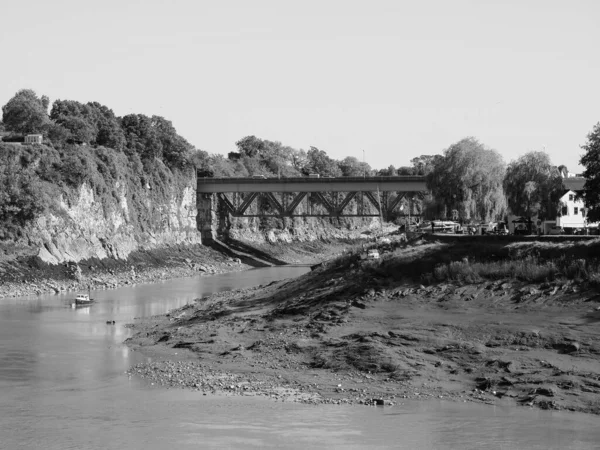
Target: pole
point(408, 227)
point(380, 210)
point(364, 167)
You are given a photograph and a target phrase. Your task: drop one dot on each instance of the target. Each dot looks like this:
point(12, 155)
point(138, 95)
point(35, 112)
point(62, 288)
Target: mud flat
point(344, 334)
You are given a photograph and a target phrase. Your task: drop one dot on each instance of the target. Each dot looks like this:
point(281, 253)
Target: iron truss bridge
point(319, 197)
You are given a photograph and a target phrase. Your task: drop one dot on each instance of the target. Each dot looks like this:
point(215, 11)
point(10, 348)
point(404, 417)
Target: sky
point(380, 80)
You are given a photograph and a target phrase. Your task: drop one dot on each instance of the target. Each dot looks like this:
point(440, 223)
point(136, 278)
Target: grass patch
point(473, 261)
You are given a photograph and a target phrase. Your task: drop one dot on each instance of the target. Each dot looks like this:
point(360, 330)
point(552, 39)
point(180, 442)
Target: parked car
point(521, 230)
point(555, 230)
point(373, 254)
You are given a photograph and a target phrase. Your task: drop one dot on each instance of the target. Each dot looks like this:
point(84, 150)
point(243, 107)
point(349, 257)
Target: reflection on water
point(62, 385)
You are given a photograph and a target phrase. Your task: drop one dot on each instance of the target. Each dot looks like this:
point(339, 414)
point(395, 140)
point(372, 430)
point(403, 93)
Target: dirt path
point(332, 337)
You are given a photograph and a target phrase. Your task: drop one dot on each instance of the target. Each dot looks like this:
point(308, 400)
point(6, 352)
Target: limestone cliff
point(300, 229)
point(82, 227)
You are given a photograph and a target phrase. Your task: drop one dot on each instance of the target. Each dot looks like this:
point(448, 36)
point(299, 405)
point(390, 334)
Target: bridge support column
point(207, 218)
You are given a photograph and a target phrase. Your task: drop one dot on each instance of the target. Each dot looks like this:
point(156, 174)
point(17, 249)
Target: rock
point(552, 291)
point(163, 338)
point(358, 304)
point(546, 392)
point(510, 367)
point(568, 347)
point(483, 383)
point(572, 347)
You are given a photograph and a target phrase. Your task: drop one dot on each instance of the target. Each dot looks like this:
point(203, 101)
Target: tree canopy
point(26, 113)
point(352, 167)
point(424, 164)
point(468, 178)
point(591, 162)
point(319, 162)
point(533, 186)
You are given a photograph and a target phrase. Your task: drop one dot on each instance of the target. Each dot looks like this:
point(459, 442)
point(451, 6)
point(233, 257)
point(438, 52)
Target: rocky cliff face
point(81, 227)
point(300, 229)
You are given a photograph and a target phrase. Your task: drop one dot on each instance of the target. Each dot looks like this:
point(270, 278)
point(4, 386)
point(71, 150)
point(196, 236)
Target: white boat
point(83, 299)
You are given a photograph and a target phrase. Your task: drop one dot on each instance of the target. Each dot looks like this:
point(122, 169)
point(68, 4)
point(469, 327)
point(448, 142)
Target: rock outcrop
point(83, 228)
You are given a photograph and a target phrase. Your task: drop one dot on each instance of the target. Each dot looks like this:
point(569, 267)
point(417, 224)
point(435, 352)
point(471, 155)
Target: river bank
point(24, 274)
point(343, 334)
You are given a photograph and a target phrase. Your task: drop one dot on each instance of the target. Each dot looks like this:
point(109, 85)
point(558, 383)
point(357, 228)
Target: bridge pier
point(206, 220)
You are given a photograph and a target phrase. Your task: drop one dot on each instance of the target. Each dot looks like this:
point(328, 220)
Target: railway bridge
point(218, 198)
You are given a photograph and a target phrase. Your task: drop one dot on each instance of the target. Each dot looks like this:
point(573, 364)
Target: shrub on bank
point(530, 269)
point(473, 262)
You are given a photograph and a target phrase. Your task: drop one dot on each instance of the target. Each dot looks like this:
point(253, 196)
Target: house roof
point(574, 183)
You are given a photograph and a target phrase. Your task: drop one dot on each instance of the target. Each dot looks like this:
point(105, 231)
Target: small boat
point(83, 299)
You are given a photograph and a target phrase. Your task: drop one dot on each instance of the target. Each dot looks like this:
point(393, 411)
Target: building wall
point(33, 139)
point(572, 214)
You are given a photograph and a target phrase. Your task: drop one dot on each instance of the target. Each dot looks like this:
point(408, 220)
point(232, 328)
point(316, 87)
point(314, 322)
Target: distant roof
point(574, 183)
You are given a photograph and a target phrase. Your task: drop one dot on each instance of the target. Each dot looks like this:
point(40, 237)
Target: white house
point(572, 212)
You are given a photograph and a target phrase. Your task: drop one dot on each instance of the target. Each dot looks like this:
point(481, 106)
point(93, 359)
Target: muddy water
point(63, 386)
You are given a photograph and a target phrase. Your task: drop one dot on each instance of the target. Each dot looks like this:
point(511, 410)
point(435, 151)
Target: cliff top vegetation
point(88, 143)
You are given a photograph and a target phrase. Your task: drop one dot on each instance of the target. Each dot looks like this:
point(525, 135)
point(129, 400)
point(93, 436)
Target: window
point(576, 210)
point(565, 211)
point(571, 197)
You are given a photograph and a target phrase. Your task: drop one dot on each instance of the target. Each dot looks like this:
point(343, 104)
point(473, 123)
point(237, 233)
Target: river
point(63, 386)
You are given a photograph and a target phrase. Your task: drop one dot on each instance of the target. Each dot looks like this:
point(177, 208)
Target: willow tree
point(468, 179)
point(533, 186)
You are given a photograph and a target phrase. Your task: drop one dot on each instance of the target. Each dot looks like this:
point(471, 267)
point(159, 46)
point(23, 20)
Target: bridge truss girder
point(286, 204)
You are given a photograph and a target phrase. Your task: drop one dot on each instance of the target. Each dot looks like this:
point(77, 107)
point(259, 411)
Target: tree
point(25, 113)
point(90, 123)
point(175, 149)
point(76, 119)
point(319, 162)
point(424, 164)
point(533, 186)
point(352, 167)
point(591, 161)
point(389, 172)
point(109, 129)
point(78, 129)
point(251, 146)
point(405, 170)
point(468, 178)
point(141, 136)
point(264, 157)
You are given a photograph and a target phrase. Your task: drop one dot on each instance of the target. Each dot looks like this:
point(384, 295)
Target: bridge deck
point(307, 184)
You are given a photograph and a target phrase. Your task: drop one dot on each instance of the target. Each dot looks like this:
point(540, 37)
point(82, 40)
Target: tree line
point(468, 181)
